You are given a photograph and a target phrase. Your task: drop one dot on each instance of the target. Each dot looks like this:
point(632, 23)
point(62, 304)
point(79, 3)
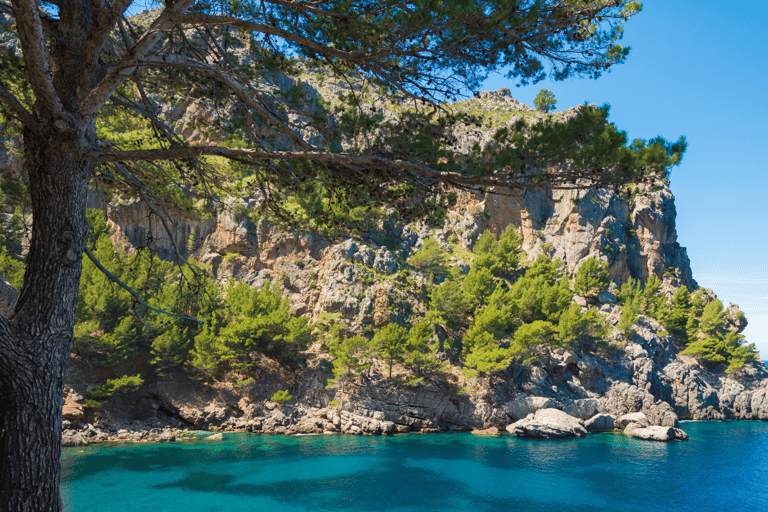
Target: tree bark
point(35, 341)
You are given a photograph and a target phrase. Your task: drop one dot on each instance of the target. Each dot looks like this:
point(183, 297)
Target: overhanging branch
point(131, 291)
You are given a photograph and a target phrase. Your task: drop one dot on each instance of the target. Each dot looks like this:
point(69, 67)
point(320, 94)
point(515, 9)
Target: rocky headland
point(640, 382)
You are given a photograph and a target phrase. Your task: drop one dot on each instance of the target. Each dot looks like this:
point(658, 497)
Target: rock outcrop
point(547, 424)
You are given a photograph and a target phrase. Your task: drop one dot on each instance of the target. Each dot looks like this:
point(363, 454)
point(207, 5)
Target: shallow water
point(723, 467)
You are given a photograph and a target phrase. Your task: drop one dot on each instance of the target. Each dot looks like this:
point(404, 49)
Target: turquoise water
point(723, 467)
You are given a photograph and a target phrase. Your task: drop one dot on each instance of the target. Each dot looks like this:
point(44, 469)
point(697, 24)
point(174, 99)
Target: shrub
point(430, 259)
point(592, 277)
point(281, 396)
point(124, 384)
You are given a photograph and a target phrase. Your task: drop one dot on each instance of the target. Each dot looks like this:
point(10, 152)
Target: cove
point(723, 467)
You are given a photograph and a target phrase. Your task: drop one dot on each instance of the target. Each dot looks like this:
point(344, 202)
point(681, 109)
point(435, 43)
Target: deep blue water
point(723, 467)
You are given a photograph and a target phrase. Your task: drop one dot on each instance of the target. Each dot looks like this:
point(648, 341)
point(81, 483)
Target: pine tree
point(545, 101)
point(391, 341)
point(592, 277)
point(420, 357)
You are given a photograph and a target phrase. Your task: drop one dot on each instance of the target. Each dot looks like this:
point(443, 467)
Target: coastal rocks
point(547, 424)
point(521, 408)
point(630, 422)
point(657, 433)
point(357, 424)
point(624, 398)
point(600, 423)
point(583, 408)
point(71, 438)
point(72, 410)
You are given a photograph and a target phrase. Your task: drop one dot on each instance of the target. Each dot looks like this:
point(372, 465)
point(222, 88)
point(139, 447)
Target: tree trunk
point(35, 341)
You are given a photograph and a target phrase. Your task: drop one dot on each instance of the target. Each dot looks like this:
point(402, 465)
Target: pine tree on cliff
point(91, 90)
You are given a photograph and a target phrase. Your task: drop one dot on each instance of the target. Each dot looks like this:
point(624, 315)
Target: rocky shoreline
point(643, 390)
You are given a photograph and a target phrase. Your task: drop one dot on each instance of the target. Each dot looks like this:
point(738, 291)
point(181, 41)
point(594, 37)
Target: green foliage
point(448, 304)
point(545, 101)
point(540, 297)
point(391, 341)
point(487, 357)
point(124, 384)
point(710, 339)
point(712, 318)
point(674, 316)
point(419, 356)
point(92, 404)
point(350, 357)
point(478, 285)
point(205, 354)
point(170, 349)
point(11, 268)
point(430, 258)
point(728, 348)
point(629, 316)
point(249, 322)
point(592, 277)
point(499, 258)
point(281, 396)
point(585, 330)
point(545, 267)
point(243, 382)
point(529, 338)
point(490, 323)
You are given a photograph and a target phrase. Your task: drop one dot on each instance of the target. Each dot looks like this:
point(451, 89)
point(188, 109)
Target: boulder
point(658, 433)
point(71, 410)
point(167, 437)
point(215, 437)
point(71, 438)
point(519, 409)
point(547, 424)
point(634, 417)
point(583, 408)
point(600, 423)
point(606, 297)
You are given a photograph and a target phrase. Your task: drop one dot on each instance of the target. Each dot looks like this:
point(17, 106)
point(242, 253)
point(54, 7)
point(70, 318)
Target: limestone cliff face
point(637, 237)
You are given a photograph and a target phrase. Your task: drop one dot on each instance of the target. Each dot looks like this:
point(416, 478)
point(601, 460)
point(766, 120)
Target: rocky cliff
point(364, 281)
point(361, 279)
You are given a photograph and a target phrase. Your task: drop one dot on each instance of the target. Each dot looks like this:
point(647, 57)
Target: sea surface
point(723, 467)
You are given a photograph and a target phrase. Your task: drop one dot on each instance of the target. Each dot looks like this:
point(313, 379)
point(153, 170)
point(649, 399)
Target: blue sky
point(699, 69)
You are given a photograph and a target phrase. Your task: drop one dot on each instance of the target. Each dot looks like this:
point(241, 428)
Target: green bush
point(124, 384)
point(430, 258)
point(591, 278)
point(281, 396)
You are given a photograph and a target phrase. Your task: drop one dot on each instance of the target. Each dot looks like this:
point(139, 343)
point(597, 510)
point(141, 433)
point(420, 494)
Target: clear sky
point(699, 69)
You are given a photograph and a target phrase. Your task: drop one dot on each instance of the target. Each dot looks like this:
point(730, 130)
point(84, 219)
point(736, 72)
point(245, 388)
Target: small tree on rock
point(545, 101)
